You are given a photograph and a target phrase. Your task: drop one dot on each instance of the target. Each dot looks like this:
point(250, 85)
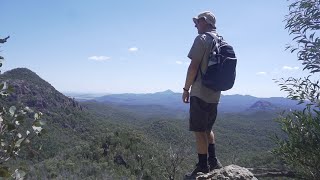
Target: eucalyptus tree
point(300, 149)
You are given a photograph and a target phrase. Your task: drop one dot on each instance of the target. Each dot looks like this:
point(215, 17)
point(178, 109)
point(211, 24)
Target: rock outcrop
point(231, 172)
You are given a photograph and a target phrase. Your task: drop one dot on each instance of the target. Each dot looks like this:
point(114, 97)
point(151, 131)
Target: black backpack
point(221, 68)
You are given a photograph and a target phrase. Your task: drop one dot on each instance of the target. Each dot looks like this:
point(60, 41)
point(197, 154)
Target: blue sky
point(104, 46)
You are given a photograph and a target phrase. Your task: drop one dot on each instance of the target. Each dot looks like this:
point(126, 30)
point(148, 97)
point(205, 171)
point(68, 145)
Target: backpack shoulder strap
point(214, 46)
point(217, 40)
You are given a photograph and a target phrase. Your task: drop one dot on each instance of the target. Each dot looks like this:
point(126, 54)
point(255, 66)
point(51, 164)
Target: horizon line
point(156, 92)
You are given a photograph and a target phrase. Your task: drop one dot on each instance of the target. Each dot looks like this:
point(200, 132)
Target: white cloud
point(133, 49)
point(182, 63)
point(290, 68)
point(99, 58)
point(261, 73)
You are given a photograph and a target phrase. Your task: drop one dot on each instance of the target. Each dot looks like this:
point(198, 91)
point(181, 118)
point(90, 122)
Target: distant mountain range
point(126, 125)
point(172, 100)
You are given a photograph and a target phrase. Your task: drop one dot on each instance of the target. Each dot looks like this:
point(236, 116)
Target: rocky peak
point(32, 91)
point(165, 92)
point(262, 105)
point(21, 73)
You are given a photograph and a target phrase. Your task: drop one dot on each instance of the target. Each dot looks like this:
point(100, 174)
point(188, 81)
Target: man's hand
point(185, 96)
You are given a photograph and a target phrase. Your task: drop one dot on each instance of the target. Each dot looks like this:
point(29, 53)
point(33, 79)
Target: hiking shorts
point(202, 115)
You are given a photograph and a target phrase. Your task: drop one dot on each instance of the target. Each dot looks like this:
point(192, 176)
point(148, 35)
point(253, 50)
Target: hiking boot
point(197, 171)
point(214, 164)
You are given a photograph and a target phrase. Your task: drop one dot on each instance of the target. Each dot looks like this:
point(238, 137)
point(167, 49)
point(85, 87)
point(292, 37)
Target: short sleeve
point(198, 49)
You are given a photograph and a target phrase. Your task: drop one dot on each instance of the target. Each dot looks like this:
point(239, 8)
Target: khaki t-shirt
point(200, 50)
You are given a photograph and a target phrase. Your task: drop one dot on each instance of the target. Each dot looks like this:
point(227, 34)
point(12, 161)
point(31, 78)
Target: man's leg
point(211, 147)
point(202, 149)
point(212, 159)
point(210, 137)
point(202, 142)
point(198, 124)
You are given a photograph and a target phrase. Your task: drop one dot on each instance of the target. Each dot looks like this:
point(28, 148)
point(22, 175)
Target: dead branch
point(4, 40)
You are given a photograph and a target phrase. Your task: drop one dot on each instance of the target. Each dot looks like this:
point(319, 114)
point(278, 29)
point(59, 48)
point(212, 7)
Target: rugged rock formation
point(32, 91)
point(231, 172)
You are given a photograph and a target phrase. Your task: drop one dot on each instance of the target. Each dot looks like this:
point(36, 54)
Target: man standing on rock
point(203, 101)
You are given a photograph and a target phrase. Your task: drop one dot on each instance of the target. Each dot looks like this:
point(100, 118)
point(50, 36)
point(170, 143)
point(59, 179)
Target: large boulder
point(231, 172)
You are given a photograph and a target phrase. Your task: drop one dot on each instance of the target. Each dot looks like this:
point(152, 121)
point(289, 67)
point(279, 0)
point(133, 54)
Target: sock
point(211, 152)
point(203, 161)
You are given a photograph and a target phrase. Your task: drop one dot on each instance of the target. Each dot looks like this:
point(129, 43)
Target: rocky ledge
point(231, 172)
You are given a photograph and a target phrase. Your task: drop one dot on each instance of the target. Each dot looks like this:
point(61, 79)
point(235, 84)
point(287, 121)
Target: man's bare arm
point(192, 73)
